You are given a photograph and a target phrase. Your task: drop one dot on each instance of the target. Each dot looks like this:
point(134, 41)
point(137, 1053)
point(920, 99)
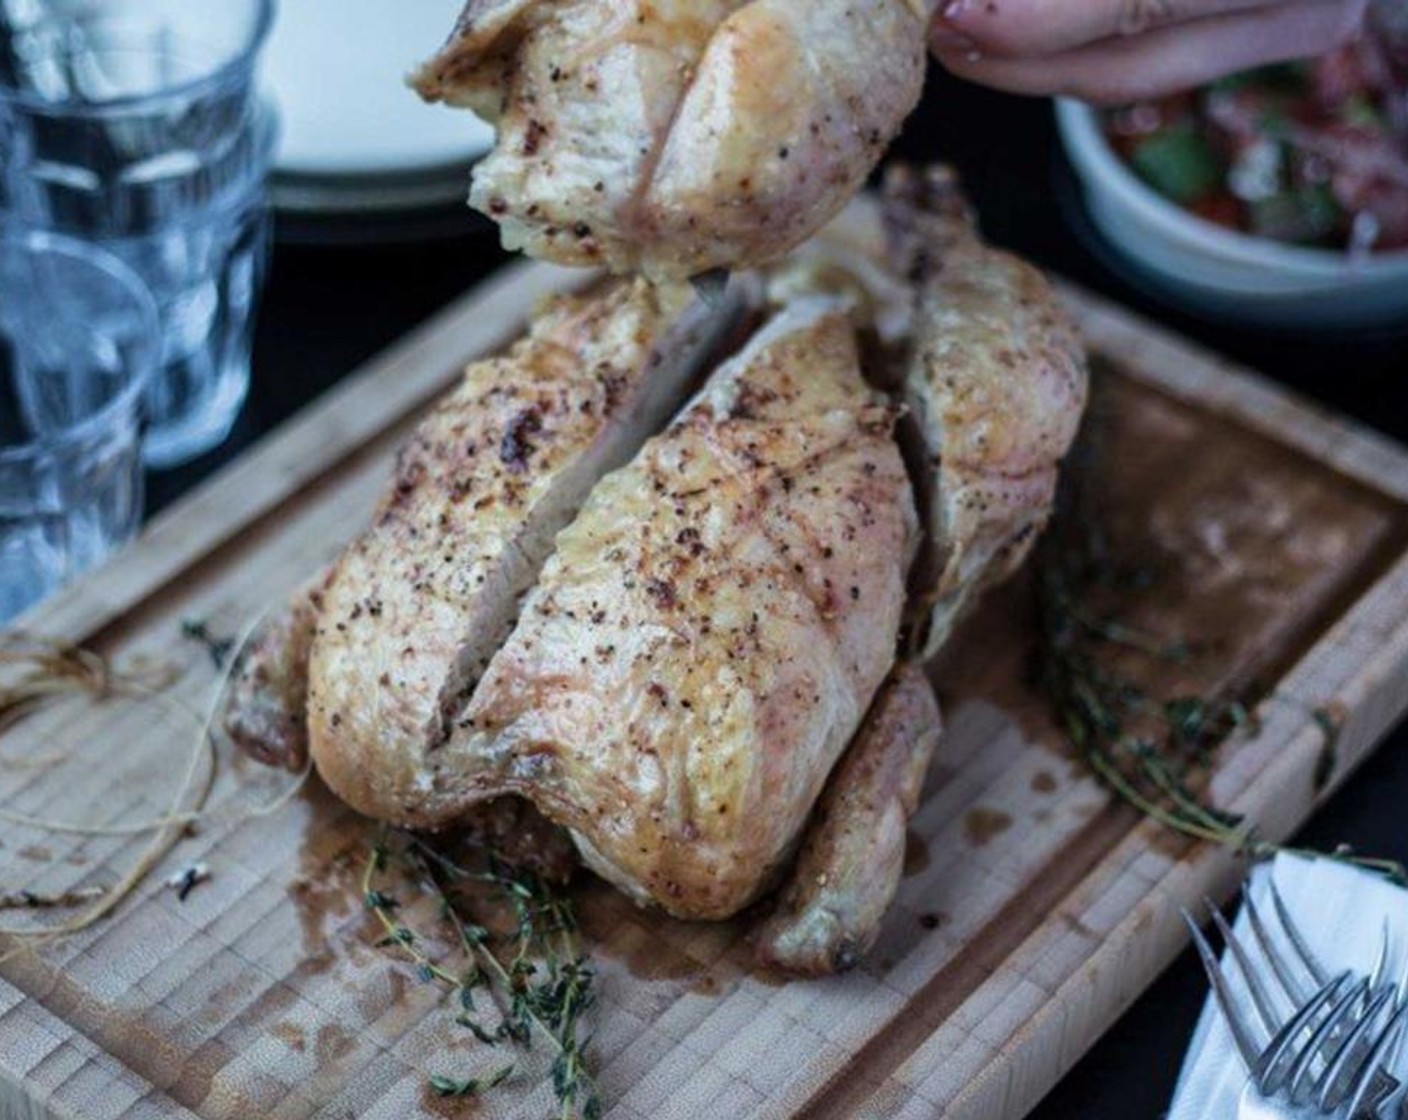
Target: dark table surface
point(328, 307)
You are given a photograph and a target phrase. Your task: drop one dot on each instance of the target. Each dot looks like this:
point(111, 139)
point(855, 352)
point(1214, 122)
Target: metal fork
point(1328, 1054)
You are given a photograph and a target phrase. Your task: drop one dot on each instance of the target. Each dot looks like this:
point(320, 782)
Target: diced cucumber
point(1306, 216)
point(1361, 112)
point(1178, 163)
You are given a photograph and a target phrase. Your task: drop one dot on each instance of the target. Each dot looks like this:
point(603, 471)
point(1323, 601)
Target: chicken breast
point(997, 383)
point(413, 609)
point(852, 855)
point(677, 136)
point(705, 640)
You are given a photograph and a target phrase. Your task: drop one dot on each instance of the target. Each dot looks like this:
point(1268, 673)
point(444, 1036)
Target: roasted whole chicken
point(673, 137)
point(686, 621)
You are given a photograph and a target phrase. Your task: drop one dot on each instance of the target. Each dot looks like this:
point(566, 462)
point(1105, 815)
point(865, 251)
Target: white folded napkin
point(1342, 911)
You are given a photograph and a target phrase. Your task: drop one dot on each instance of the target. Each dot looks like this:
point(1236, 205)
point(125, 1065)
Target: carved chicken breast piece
point(790, 109)
point(706, 637)
point(581, 94)
point(676, 136)
point(991, 368)
point(413, 609)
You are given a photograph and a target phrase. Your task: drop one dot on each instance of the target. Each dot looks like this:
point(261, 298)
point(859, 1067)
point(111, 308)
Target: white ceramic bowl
point(1231, 275)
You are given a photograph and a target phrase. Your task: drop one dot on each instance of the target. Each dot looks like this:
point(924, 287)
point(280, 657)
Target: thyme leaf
point(468, 1086)
point(1151, 754)
point(218, 649)
point(542, 984)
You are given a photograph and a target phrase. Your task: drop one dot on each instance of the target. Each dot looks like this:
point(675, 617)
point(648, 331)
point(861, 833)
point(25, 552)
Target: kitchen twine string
point(59, 669)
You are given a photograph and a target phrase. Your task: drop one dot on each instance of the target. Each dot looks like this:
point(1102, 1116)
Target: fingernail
point(955, 9)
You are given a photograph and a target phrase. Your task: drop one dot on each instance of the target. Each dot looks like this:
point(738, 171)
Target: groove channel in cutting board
point(1033, 911)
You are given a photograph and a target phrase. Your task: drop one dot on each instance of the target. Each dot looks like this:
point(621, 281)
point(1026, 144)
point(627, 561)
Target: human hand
point(1125, 50)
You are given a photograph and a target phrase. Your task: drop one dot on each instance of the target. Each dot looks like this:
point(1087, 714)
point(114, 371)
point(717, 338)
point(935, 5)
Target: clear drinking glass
point(133, 124)
point(79, 343)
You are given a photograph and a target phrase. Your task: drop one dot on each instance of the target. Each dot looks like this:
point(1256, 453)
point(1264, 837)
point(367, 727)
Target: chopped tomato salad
point(1312, 153)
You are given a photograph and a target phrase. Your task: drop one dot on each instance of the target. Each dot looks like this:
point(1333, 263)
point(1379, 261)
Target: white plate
point(353, 135)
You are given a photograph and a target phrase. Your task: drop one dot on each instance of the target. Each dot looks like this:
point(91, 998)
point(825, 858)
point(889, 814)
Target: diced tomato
point(1221, 207)
point(1339, 76)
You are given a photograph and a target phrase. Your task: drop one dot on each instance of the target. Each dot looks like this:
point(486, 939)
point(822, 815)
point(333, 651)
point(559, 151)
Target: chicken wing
point(264, 711)
point(676, 136)
point(703, 643)
point(414, 608)
point(852, 854)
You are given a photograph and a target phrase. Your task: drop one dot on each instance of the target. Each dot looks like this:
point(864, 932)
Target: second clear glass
point(134, 124)
point(78, 345)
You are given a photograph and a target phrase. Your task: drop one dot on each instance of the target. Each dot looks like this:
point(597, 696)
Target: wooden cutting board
point(1032, 912)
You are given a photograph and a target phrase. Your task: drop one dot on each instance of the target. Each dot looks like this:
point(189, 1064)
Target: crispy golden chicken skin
point(711, 629)
point(415, 607)
point(676, 136)
point(265, 714)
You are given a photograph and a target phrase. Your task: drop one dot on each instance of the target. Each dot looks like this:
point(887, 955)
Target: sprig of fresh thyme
point(1149, 752)
point(218, 649)
point(1095, 703)
point(543, 987)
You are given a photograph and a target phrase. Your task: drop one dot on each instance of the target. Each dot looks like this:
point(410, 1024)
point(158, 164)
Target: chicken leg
point(265, 709)
point(852, 855)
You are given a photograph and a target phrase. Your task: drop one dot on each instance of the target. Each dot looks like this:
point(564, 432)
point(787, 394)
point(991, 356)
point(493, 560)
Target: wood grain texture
point(1032, 913)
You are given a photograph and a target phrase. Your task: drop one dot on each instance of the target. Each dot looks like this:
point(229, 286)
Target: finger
point(1025, 28)
point(1175, 58)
